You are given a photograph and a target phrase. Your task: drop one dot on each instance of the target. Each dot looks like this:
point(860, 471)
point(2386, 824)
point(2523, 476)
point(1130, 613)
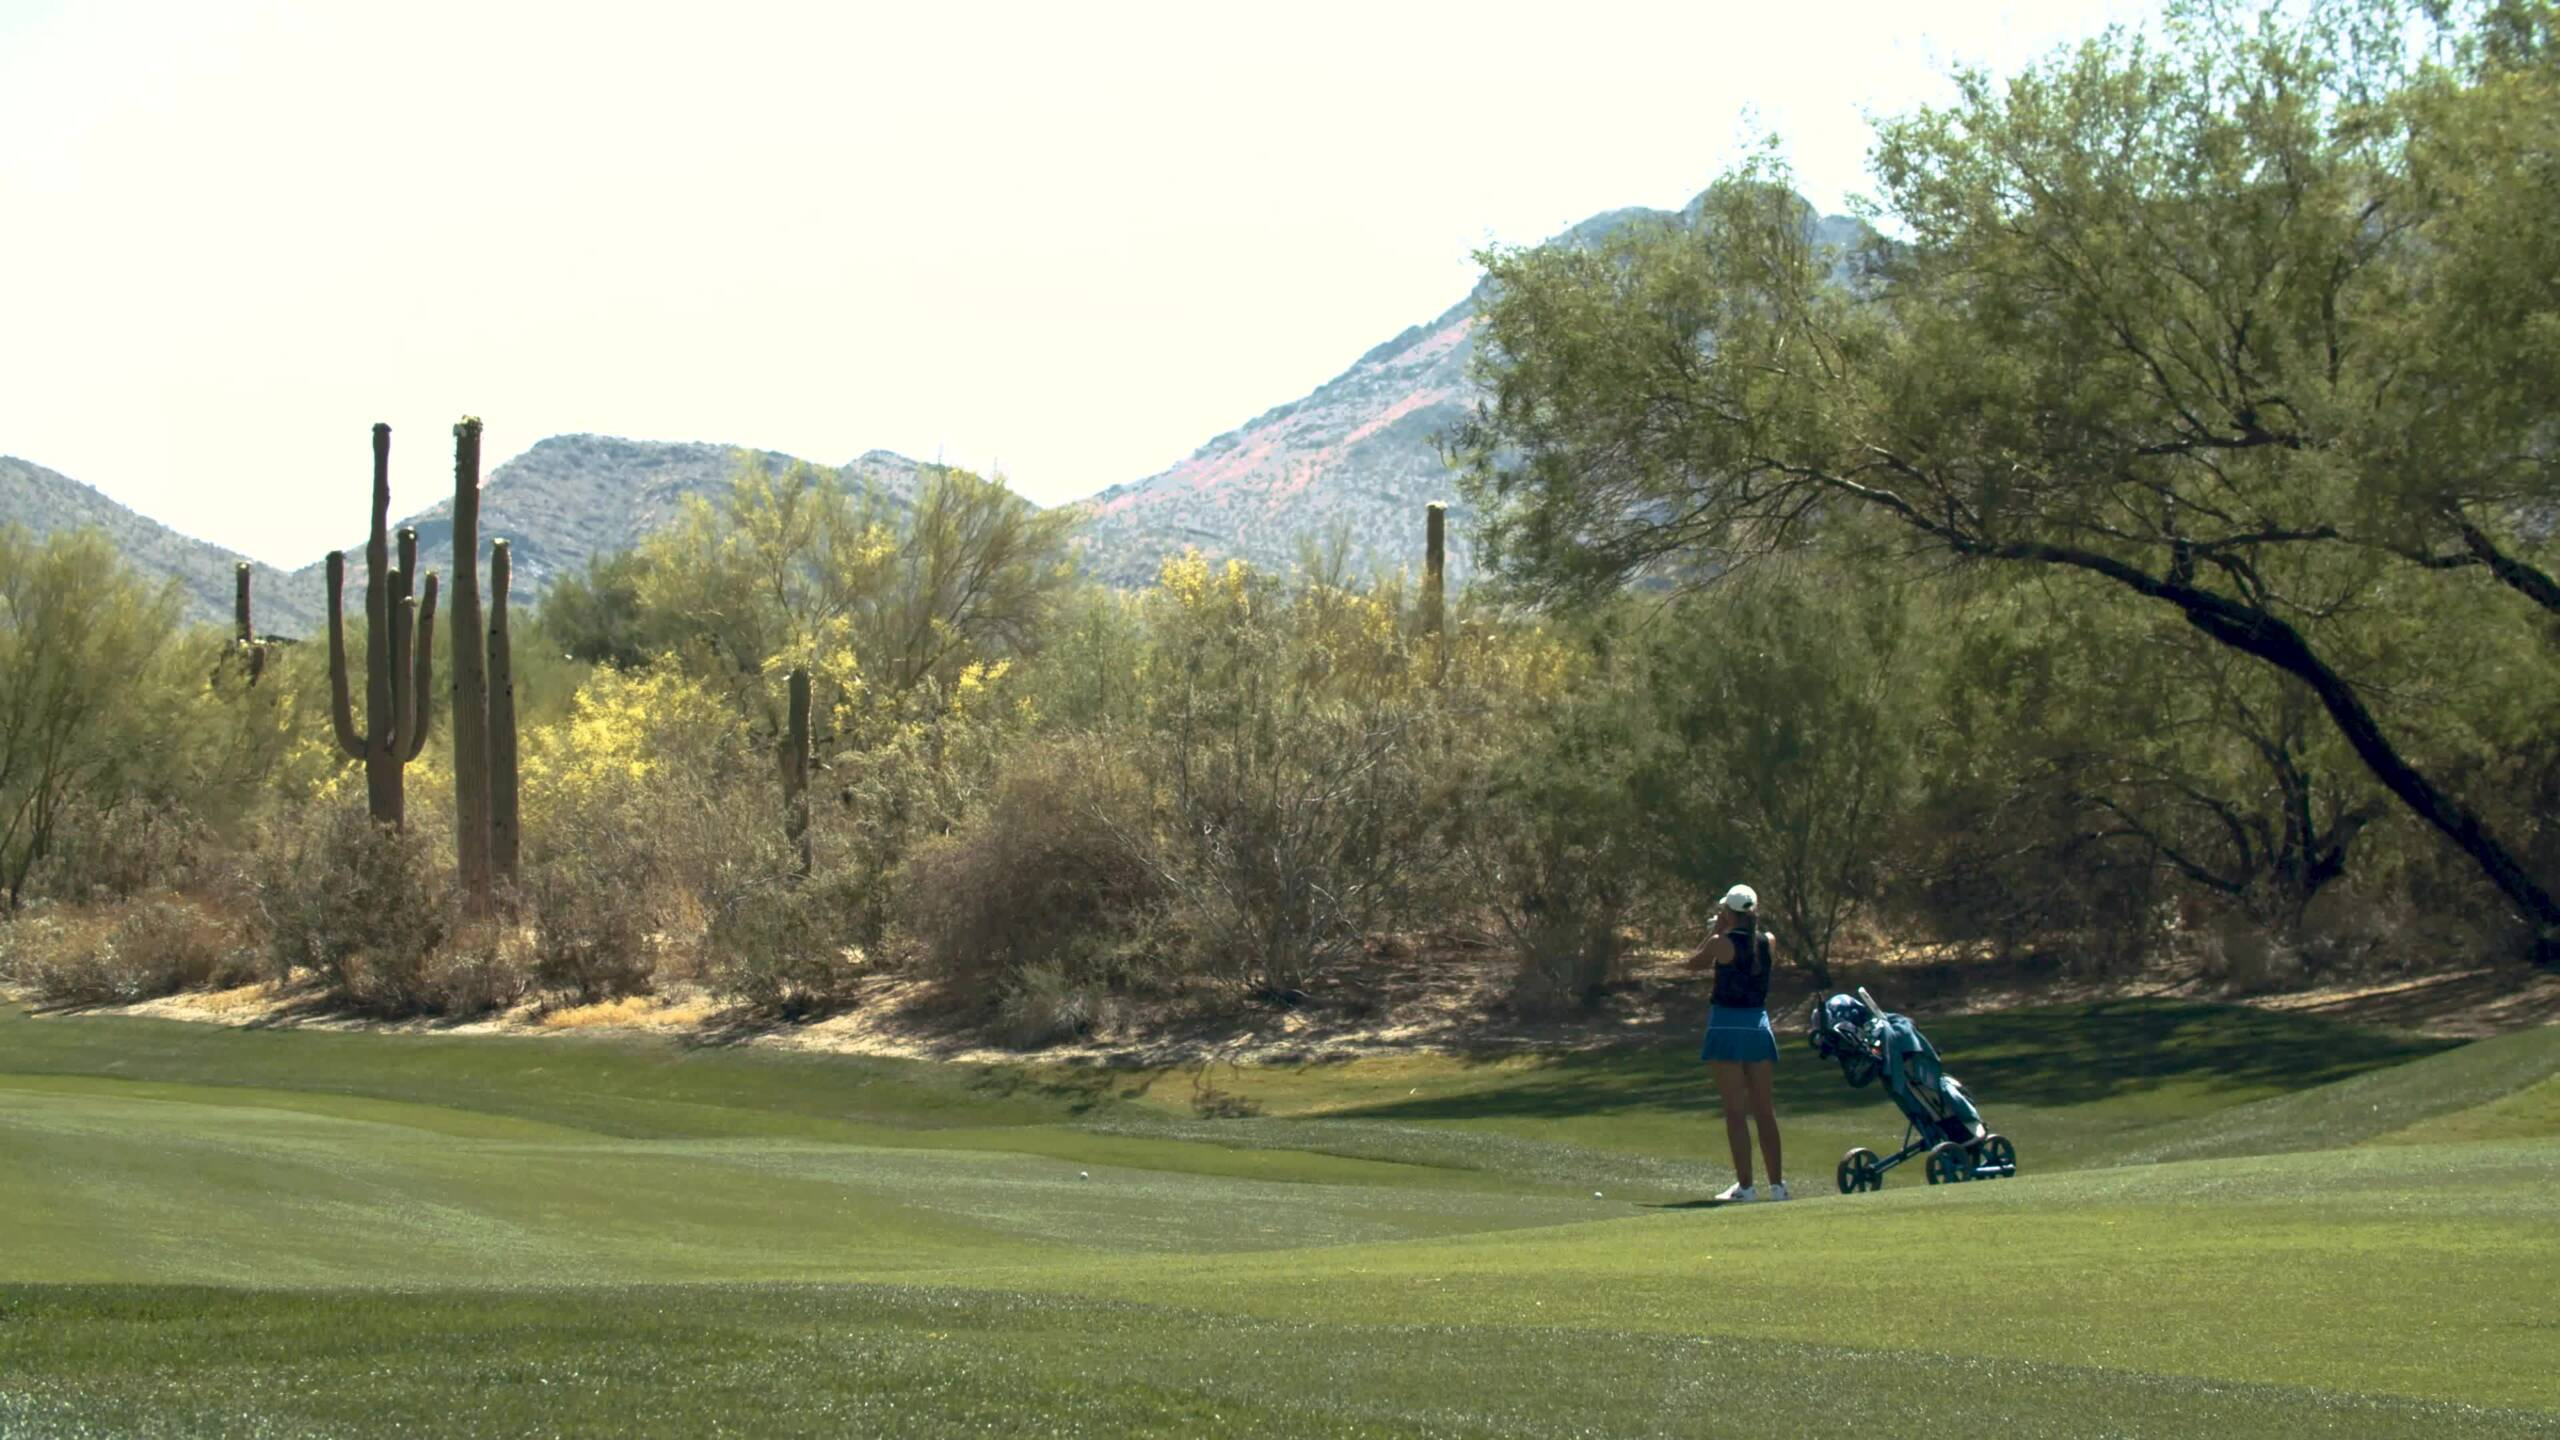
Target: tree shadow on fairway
point(2063, 1056)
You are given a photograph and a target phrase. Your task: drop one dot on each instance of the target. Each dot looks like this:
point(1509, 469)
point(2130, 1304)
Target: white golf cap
point(1741, 900)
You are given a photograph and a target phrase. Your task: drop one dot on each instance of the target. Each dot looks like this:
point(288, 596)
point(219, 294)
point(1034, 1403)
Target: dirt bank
point(1434, 997)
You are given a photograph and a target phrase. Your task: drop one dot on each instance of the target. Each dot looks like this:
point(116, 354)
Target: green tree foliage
point(71, 617)
point(1548, 834)
point(595, 616)
point(2073, 747)
point(1286, 735)
point(2166, 316)
point(1782, 730)
point(802, 569)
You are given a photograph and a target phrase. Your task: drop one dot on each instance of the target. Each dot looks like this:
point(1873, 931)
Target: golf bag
point(1871, 1043)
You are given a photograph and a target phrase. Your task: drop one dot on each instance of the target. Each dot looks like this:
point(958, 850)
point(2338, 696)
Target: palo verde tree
point(877, 599)
point(845, 619)
point(2185, 316)
point(79, 636)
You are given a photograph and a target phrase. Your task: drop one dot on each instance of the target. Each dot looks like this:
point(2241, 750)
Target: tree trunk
point(2273, 640)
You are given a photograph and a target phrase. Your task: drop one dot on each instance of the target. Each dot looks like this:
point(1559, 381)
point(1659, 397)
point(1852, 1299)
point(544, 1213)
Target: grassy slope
point(297, 1232)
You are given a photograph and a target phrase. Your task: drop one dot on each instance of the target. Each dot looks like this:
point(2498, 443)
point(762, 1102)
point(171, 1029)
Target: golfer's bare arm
point(1716, 951)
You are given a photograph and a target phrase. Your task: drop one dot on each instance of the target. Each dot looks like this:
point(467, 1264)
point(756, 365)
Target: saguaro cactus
point(795, 771)
point(398, 710)
point(470, 674)
point(504, 839)
point(1435, 557)
point(245, 645)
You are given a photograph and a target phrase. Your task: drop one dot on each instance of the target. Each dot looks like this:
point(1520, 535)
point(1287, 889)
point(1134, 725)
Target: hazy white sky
point(1070, 241)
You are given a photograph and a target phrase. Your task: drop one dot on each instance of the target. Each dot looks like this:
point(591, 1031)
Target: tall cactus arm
point(505, 841)
point(378, 720)
point(404, 624)
point(422, 692)
point(404, 634)
point(341, 701)
point(470, 673)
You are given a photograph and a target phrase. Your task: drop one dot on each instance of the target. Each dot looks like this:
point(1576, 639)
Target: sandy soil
point(1438, 995)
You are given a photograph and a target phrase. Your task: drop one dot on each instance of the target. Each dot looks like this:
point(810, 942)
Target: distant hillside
point(1359, 454)
point(573, 497)
point(43, 501)
point(1358, 457)
point(568, 498)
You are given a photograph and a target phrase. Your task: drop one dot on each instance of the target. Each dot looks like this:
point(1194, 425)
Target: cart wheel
point(1949, 1164)
point(1859, 1170)
point(1996, 1150)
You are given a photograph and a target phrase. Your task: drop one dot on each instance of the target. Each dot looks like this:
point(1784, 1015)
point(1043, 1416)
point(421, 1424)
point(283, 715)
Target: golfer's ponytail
point(1746, 944)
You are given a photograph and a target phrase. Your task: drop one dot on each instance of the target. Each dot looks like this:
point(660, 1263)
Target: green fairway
point(2226, 1221)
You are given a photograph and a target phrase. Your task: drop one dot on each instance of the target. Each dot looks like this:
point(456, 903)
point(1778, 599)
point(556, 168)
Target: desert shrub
point(909, 768)
point(779, 943)
point(156, 946)
point(1289, 846)
point(1566, 961)
point(635, 808)
point(590, 932)
point(361, 905)
point(485, 964)
point(119, 849)
point(1044, 1004)
point(2245, 957)
point(61, 955)
point(1288, 739)
point(1052, 873)
point(1549, 842)
point(169, 944)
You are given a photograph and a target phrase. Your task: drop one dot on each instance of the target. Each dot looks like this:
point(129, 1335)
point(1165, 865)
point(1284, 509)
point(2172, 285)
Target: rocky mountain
point(1358, 458)
point(573, 497)
point(1351, 464)
point(568, 498)
point(43, 501)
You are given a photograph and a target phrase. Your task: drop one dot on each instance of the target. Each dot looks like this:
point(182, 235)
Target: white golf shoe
point(1778, 1190)
point(1737, 1193)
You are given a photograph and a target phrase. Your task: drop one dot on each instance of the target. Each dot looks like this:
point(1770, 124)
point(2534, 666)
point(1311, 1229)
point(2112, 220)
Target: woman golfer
point(1740, 1046)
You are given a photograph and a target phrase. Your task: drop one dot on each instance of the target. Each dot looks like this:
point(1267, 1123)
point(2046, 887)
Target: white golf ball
point(1595, 1194)
point(1084, 1174)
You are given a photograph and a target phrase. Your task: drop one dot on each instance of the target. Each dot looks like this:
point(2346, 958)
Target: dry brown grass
point(632, 1012)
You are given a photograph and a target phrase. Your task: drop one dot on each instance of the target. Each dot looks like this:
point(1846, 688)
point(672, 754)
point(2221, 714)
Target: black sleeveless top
point(1742, 981)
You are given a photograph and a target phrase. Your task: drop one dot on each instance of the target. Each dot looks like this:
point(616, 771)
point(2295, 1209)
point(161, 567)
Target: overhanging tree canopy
point(2240, 323)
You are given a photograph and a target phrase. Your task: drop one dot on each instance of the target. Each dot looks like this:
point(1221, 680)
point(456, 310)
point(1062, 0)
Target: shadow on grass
point(2070, 1056)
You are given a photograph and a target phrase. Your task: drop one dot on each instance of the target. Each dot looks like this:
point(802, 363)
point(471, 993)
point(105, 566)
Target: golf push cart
point(1870, 1043)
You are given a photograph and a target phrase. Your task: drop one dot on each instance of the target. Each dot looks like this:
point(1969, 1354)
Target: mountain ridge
point(1346, 468)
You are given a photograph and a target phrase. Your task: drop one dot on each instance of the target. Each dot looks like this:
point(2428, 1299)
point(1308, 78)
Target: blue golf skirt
point(1742, 1035)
